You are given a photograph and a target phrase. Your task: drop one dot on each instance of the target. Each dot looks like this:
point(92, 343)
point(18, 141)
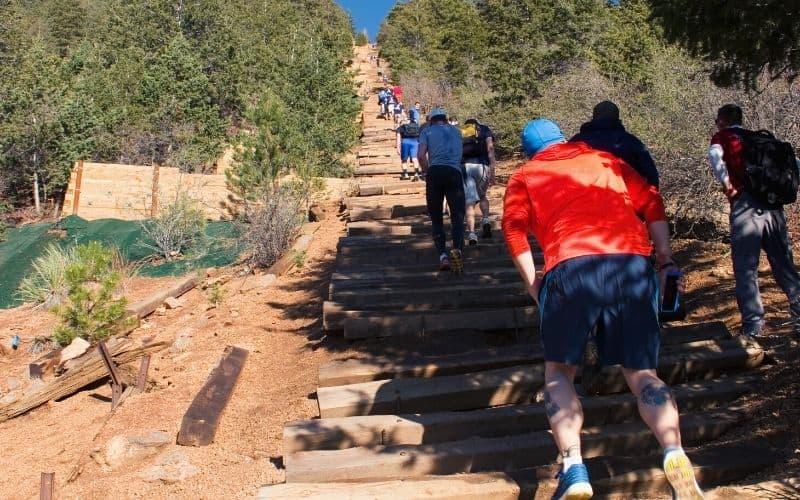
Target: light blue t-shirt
point(444, 145)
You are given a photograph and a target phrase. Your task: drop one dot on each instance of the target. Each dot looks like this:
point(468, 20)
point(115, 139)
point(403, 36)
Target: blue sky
point(367, 13)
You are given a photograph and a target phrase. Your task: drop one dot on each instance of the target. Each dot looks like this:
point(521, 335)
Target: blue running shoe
point(574, 484)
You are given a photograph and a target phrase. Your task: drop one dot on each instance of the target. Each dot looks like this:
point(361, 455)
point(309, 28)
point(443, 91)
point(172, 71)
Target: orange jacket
point(578, 201)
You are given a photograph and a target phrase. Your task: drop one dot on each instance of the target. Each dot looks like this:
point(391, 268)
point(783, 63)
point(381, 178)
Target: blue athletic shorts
point(619, 293)
point(408, 149)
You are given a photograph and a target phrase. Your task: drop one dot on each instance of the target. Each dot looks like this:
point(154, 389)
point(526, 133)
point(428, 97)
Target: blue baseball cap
point(437, 112)
point(538, 134)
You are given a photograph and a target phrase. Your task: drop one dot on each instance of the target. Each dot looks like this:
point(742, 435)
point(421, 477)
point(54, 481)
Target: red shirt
point(398, 93)
point(731, 143)
point(578, 201)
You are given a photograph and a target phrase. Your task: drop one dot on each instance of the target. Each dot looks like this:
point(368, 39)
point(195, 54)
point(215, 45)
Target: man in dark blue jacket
point(606, 133)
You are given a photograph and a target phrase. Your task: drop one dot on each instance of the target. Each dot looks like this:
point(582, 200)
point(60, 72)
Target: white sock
point(570, 461)
point(672, 449)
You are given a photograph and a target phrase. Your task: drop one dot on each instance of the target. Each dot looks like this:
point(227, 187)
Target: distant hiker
point(398, 112)
point(398, 92)
point(382, 100)
point(479, 165)
point(597, 271)
point(453, 121)
point(440, 160)
point(606, 133)
point(408, 147)
point(388, 111)
point(415, 113)
point(756, 217)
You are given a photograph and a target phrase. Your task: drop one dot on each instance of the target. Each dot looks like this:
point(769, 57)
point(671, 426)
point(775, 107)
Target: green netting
point(221, 246)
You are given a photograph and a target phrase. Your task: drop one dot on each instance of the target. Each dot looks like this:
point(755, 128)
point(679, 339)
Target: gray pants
point(753, 227)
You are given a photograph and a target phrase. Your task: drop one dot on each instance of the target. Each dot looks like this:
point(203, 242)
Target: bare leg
point(656, 405)
point(484, 207)
point(562, 406)
point(470, 217)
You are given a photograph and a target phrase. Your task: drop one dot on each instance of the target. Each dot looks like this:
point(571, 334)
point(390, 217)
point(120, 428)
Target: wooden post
point(116, 381)
point(76, 197)
point(154, 197)
point(36, 202)
point(143, 367)
point(46, 485)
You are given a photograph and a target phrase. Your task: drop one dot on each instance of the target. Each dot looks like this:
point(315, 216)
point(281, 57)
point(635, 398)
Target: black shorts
point(619, 293)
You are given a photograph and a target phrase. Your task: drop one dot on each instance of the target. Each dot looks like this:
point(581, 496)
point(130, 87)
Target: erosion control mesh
point(220, 247)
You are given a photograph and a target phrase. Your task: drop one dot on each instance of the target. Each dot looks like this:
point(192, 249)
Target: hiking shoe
point(472, 238)
point(753, 330)
point(444, 262)
point(573, 484)
point(456, 263)
point(680, 475)
point(487, 229)
point(404, 176)
point(415, 178)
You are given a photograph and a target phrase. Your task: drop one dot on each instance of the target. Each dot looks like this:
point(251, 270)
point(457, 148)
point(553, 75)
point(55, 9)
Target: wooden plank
point(458, 487)
point(353, 371)
point(76, 199)
point(382, 201)
point(88, 369)
point(368, 324)
point(514, 384)
point(47, 485)
point(361, 298)
point(425, 395)
point(360, 214)
point(287, 260)
point(430, 428)
point(489, 454)
point(400, 278)
point(152, 302)
point(199, 424)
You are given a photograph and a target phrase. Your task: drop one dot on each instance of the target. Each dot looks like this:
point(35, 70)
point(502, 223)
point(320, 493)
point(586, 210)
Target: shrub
point(273, 225)
point(46, 285)
point(177, 227)
point(92, 310)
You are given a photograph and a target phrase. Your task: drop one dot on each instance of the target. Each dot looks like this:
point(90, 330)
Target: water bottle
point(672, 306)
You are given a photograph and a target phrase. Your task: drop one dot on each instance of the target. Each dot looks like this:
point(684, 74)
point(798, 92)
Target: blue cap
point(437, 112)
point(538, 134)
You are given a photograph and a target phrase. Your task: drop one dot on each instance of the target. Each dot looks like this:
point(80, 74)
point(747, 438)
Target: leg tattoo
point(550, 406)
point(656, 394)
point(572, 451)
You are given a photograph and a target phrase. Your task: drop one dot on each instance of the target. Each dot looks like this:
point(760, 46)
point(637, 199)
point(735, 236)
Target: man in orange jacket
point(584, 208)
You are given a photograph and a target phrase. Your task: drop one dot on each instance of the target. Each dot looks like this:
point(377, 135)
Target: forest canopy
point(168, 82)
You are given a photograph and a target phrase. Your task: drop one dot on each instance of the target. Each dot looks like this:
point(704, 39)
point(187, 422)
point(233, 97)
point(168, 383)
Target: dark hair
point(605, 110)
point(731, 114)
point(471, 120)
point(438, 119)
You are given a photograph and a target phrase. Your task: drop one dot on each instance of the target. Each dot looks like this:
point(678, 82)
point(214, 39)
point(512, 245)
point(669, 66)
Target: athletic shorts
point(619, 293)
point(408, 149)
point(476, 182)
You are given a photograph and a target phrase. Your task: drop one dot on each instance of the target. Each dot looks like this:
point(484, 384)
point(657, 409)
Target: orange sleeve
point(516, 215)
point(646, 199)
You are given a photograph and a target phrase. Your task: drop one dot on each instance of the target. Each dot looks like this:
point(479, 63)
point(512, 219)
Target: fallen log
point(149, 304)
point(88, 369)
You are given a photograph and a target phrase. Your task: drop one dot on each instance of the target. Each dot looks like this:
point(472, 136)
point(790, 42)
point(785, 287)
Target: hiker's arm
point(659, 234)
point(516, 215)
point(646, 199)
point(399, 143)
point(720, 170)
point(422, 156)
point(492, 160)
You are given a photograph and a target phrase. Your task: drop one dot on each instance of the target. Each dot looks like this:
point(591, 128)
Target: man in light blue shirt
point(440, 160)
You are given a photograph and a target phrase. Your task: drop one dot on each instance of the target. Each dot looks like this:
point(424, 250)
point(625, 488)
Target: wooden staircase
point(448, 403)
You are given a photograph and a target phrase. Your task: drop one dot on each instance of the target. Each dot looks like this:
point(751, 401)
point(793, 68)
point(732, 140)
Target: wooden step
point(389, 227)
point(386, 168)
point(515, 384)
point(353, 371)
point(386, 201)
point(490, 454)
point(362, 214)
point(417, 263)
point(387, 162)
point(496, 486)
point(677, 365)
point(430, 428)
point(368, 324)
point(397, 278)
point(391, 188)
point(360, 299)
